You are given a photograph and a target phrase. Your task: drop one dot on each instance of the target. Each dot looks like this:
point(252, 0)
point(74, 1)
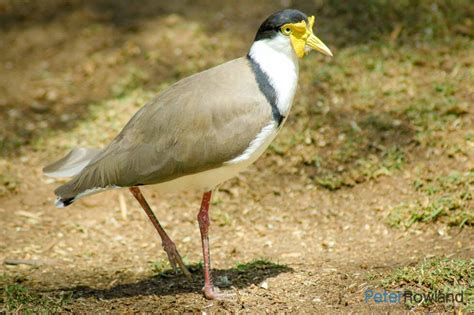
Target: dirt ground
point(281, 241)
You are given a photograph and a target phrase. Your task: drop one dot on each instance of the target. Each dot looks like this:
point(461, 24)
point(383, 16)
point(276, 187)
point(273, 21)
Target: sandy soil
point(324, 244)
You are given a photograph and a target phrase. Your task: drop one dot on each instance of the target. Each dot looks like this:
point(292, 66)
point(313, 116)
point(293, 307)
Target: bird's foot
point(214, 293)
point(175, 258)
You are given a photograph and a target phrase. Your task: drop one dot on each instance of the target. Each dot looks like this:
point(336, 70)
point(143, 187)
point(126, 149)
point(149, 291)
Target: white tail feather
point(68, 171)
point(72, 164)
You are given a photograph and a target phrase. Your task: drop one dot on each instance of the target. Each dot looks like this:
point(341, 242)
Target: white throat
point(279, 62)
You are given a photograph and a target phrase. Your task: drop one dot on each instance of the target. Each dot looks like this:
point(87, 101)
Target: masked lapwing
point(201, 131)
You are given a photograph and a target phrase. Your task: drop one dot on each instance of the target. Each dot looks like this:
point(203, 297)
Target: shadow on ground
point(167, 283)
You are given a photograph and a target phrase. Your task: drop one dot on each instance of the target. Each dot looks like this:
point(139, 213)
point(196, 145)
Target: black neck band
point(267, 89)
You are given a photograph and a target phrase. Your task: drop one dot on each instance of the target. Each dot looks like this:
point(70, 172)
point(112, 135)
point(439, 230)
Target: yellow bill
point(301, 35)
point(318, 45)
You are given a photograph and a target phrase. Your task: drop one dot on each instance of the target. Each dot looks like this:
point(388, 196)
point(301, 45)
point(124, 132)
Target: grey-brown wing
point(197, 124)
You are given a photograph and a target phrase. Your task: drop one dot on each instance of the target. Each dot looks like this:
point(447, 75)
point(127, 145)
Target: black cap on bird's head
point(297, 26)
point(271, 26)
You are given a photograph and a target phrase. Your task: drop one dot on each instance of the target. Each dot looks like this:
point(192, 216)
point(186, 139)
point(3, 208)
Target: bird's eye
point(286, 30)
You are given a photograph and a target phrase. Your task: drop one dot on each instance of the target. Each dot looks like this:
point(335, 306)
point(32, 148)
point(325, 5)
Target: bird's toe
point(214, 293)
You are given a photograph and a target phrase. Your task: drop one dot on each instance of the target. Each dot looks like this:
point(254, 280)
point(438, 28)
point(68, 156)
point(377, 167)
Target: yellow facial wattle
point(301, 34)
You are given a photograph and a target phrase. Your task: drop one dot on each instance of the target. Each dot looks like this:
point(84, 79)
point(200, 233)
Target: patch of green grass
point(332, 182)
point(448, 198)
point(220, 217)
point(434, 275)
point(453, 182)
point(451, 207)
point(19, 299)
point(433, 115)
point(469, 137)
point(133, 80)
point(163, 268)
point(10, 143)
point(361, 169)
point(285, 144)
point(160, 266)
point(257, 264)
point(9, 181)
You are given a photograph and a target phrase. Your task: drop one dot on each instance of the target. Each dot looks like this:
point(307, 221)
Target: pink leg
point(168, 244)
point(203, 220)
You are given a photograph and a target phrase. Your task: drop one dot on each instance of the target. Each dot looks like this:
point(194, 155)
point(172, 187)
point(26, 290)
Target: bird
point(200, 132)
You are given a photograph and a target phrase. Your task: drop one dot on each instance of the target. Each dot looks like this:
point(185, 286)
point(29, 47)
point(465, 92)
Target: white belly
point(203, 181)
